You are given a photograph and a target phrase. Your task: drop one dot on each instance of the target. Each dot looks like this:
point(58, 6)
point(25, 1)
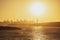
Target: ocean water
point(31, 33)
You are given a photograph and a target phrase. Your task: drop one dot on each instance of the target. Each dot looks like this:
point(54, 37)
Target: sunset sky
point(21, 9)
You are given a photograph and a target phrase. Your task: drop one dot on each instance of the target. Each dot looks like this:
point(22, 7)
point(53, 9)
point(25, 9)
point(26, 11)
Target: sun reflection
point(37, 33)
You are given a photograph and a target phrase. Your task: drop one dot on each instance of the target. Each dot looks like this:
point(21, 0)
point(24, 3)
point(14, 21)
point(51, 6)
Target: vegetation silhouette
point(9, 28)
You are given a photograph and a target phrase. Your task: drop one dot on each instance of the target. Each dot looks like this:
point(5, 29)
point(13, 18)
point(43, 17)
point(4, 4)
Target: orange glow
point(11, 10)
point(37, 9)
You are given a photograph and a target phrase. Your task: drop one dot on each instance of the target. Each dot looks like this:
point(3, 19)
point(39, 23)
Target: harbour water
point(31, 33)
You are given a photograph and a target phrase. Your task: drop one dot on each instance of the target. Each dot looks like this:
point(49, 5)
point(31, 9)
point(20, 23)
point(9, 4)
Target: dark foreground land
point(30, 33)
point(13, 33)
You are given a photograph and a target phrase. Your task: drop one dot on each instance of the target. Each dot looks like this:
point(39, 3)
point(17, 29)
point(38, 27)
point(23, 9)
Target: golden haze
point(12, 10)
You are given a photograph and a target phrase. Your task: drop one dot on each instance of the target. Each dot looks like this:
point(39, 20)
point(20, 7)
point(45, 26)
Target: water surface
point(31, 33)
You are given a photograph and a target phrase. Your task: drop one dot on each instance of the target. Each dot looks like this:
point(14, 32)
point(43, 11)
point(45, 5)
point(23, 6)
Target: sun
point(37, 9)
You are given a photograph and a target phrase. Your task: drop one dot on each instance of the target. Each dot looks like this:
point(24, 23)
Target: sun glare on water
point(37, 9)
point(37, 34)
